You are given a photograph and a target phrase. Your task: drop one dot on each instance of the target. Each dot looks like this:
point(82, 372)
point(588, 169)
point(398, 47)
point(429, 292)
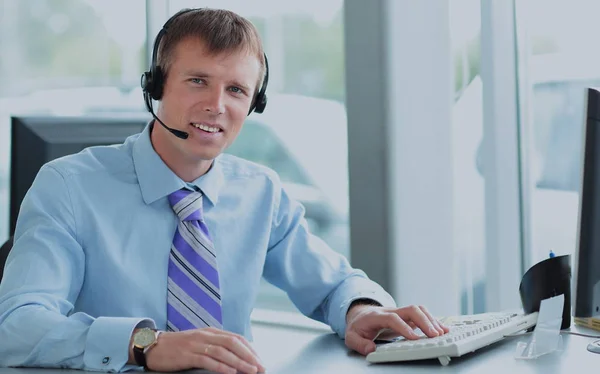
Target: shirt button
point(105, 360)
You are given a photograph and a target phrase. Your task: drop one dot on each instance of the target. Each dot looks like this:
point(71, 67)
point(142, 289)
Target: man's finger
point(393, 322)
point(438, 326)
point(239, 337)
point(224, 355)
point(416, 315)
point(233, 344)
point(359, 344)
point(209, 363)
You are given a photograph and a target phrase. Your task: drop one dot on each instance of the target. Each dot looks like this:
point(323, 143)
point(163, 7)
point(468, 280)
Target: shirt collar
point(157, 180)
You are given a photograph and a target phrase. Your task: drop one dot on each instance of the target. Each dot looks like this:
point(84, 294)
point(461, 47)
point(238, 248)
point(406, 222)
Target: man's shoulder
point(110, 159)
point(238, 168)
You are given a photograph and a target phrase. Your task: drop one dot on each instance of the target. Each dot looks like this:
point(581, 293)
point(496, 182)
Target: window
point(560, 62)
point(467, 129)
point(302, 134)
point(260, 144)
point(67, 57)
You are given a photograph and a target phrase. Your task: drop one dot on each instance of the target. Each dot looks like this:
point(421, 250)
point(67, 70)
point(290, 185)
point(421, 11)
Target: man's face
point(208, 96)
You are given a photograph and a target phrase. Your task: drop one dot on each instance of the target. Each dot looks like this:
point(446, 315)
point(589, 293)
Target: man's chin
point(205, 156)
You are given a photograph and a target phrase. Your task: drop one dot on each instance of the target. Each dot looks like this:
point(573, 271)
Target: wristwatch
point(143, 340)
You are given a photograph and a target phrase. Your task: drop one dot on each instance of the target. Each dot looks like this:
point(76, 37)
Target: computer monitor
point(37, 140)
point(587, 256)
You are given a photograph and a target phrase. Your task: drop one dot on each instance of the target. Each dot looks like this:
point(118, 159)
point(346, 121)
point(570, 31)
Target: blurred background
point(85, 57)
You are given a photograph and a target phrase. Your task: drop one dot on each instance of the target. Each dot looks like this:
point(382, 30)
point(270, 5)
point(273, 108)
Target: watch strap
point(140, 357)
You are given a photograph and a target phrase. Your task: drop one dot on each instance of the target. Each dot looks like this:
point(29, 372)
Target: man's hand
point(208, 348)
point(366, 322)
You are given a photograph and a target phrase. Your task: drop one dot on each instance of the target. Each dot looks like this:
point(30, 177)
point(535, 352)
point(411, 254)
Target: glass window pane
point(560, 64)
point(469, 201)
point(302, 134)
point(67, 57)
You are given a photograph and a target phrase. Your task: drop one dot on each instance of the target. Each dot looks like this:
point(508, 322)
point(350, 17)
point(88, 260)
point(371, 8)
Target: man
point(166, 232)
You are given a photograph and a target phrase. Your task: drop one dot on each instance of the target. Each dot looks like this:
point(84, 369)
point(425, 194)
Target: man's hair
point(221, 31)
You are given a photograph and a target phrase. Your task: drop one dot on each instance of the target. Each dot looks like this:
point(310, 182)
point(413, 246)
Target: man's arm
point(42, 280)
point(319, 281)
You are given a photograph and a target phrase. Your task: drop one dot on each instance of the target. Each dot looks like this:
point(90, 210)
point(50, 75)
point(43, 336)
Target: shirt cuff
point(107, 344)
point(352, 289)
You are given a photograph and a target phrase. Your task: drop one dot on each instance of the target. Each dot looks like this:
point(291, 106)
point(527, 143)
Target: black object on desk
point(546, 279)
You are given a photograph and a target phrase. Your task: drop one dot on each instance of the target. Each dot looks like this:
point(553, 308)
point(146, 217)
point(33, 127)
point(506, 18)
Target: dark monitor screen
point(587, 257)
point(38, 140)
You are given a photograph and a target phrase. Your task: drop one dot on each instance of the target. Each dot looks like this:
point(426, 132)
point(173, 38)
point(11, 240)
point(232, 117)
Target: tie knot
point(187, 204)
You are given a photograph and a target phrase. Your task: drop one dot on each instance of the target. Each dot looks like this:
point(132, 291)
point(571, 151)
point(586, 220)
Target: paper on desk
point(546, 335)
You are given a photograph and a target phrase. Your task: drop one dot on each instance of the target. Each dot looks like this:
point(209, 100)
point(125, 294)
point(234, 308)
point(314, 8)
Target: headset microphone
point(178, 133)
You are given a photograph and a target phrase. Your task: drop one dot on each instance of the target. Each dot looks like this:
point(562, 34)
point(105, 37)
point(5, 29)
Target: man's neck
point(187, 169)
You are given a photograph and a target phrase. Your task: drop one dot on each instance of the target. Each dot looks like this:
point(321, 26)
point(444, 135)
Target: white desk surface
point(291, 351)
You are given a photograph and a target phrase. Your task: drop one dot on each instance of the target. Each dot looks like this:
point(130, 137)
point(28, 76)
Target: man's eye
point(237, 90)
point(197, 80)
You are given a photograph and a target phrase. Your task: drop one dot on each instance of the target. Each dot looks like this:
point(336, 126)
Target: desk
point(291, 351)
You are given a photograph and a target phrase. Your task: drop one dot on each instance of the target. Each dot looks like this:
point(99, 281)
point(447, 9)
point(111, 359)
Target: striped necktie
point(193, 295)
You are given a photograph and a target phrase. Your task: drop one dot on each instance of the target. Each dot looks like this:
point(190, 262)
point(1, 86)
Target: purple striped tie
point(193, 296)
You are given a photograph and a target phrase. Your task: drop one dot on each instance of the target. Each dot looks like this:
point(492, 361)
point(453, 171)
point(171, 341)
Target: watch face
point(143, 337)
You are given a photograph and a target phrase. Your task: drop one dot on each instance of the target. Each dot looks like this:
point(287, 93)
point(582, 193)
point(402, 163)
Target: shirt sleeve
point(319, 281)
point(43, 275)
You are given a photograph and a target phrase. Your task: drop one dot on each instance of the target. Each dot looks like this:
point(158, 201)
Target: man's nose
point(215, 102)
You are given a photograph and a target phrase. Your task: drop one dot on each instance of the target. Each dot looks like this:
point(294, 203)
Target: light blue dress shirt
point(92, 242)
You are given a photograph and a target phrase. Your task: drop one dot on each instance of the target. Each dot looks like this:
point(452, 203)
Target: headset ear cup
point(261, 103)
point(157, 83)
point(146, 82)
point(152, 83)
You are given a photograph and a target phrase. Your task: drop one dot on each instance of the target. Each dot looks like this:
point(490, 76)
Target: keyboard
point(467, 334)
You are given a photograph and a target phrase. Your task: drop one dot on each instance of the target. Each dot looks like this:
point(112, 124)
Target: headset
point(153, 80)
